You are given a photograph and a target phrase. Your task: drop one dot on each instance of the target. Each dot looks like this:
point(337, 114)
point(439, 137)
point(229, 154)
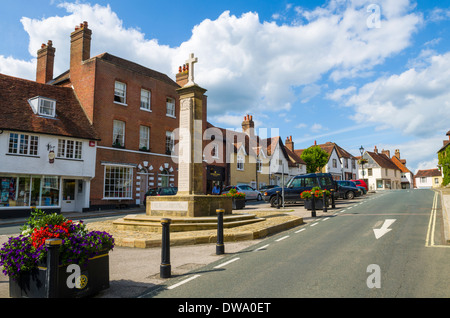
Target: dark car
point(160, 191)
point(297, 185)
point(267, 187)
point(348, 190)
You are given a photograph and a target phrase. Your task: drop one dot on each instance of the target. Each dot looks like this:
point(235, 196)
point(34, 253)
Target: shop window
point(118, 182)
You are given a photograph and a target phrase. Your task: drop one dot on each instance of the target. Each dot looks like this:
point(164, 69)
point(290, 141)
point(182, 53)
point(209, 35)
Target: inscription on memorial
point(169, 205)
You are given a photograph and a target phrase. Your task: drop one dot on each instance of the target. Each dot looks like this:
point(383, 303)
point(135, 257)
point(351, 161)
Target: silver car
point(250, 193)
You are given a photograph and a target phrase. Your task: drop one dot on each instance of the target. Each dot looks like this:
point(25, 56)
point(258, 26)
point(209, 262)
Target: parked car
point(250, 193)
point(361, 183)
point(267, 187)
point(298, 184)
point(160, 191)
point(348, 190)
point(361, 189)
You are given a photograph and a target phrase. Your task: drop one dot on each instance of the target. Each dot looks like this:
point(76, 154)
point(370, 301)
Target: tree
point(444, 162)
point(315, 158)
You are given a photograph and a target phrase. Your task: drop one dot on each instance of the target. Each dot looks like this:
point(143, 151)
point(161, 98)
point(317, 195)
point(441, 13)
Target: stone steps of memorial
point(178, 224)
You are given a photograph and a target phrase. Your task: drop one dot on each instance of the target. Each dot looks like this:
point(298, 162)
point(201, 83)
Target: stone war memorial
point(190, 208)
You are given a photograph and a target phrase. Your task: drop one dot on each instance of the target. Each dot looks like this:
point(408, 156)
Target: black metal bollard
point(333, 204)
point(51, 278)
point(324, 198)
point(165, 268)
point(278, 199)
point(313, 207)
point(220, 247)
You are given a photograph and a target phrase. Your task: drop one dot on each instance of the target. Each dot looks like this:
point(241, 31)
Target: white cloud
point(415, 102)
point(246, 64)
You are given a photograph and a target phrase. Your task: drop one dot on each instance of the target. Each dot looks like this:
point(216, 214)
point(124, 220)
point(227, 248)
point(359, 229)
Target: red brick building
point(134, 109)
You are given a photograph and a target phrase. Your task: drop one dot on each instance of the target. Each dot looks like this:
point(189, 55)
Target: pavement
point(134, 270)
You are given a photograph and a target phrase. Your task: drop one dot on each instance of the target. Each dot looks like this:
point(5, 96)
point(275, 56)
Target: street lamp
point(361, 150)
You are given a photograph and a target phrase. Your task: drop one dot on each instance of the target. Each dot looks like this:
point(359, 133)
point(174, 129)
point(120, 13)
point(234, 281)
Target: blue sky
point(314, 70)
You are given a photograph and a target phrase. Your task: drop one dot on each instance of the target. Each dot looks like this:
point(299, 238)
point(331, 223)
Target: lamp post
point(361, 150)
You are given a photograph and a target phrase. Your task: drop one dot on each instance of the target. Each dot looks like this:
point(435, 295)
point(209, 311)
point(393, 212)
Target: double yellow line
point(429, 242)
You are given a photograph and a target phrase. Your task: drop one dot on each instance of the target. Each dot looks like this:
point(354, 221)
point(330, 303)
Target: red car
point(361, 183)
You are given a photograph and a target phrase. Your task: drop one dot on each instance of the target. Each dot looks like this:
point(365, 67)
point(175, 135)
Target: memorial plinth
point(190, 200)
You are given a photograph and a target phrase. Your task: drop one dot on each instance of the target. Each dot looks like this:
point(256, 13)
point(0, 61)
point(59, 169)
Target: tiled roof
point(342, 153)
point(428, 173)
point(400, 164)
point(124, 64)
point(16, 113)
point(383, 161)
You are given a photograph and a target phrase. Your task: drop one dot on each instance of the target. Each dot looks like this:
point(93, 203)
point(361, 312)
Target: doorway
point(68, 203)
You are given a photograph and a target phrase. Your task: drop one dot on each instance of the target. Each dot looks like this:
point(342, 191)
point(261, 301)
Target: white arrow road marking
point(384, 229)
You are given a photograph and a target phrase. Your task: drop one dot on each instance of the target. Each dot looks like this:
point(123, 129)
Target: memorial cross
point(191, 61)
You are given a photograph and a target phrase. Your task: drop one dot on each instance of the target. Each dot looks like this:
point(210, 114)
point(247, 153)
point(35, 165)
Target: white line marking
point(282, 238)
point(183, 282)
point(260, 248)
point(314, 224)
point(300, 231)
point(226, 263)
point(325, 219)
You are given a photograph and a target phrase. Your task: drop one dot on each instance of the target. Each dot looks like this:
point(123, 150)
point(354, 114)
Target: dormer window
point(43, 106)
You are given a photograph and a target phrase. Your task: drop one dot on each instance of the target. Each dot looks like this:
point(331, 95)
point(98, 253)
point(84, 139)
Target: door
point(68, 203)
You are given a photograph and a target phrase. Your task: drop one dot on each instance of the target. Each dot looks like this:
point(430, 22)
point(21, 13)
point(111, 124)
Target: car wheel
point(350, 195)
point(259, 198)
point(273, 201)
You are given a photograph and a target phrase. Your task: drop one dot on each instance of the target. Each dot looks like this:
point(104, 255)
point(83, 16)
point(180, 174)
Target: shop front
point(20, 193)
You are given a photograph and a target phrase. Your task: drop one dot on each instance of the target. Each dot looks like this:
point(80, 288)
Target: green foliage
point(315, 158)
point(444, 161)
point(40, 219)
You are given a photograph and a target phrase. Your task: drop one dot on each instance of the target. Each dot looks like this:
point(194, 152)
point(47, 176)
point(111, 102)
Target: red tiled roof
point(16, 113)
point(400, 163)
point(428, 173)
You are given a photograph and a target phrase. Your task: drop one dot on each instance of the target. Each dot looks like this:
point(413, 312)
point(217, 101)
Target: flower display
point(315, 192)
point(234, 194)
point(24, 252)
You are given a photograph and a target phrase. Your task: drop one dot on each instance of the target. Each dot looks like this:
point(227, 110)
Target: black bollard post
point(278, 199)
point(333, 204)
point(313, 206)
point(165, 268)
point(220, 247)
point(324, 198)
point(51, 278)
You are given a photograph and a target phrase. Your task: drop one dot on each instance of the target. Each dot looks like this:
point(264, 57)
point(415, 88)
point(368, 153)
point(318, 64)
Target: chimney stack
point(248, 126)
point(182, 75)
point(375, 150)
point(397, 153)
point(289, 143)
point(386, 152)
point(80, 45)
point(45, 63)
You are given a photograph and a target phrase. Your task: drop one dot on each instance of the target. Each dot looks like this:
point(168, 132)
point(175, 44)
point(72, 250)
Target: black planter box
point(318, 204)
point(33, 284)
point(238, 204)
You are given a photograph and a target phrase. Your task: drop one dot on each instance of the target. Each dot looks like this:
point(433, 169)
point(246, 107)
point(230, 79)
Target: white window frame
point(170, 107)
point(51, 106)
point(146, 100)
point(69, 149)
point(120, 93)
point(240, 164)
point(169, 143)
point(117, 126)
point(27, 145)
point(259, 165)
point(124, 180)
point(144, 137)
